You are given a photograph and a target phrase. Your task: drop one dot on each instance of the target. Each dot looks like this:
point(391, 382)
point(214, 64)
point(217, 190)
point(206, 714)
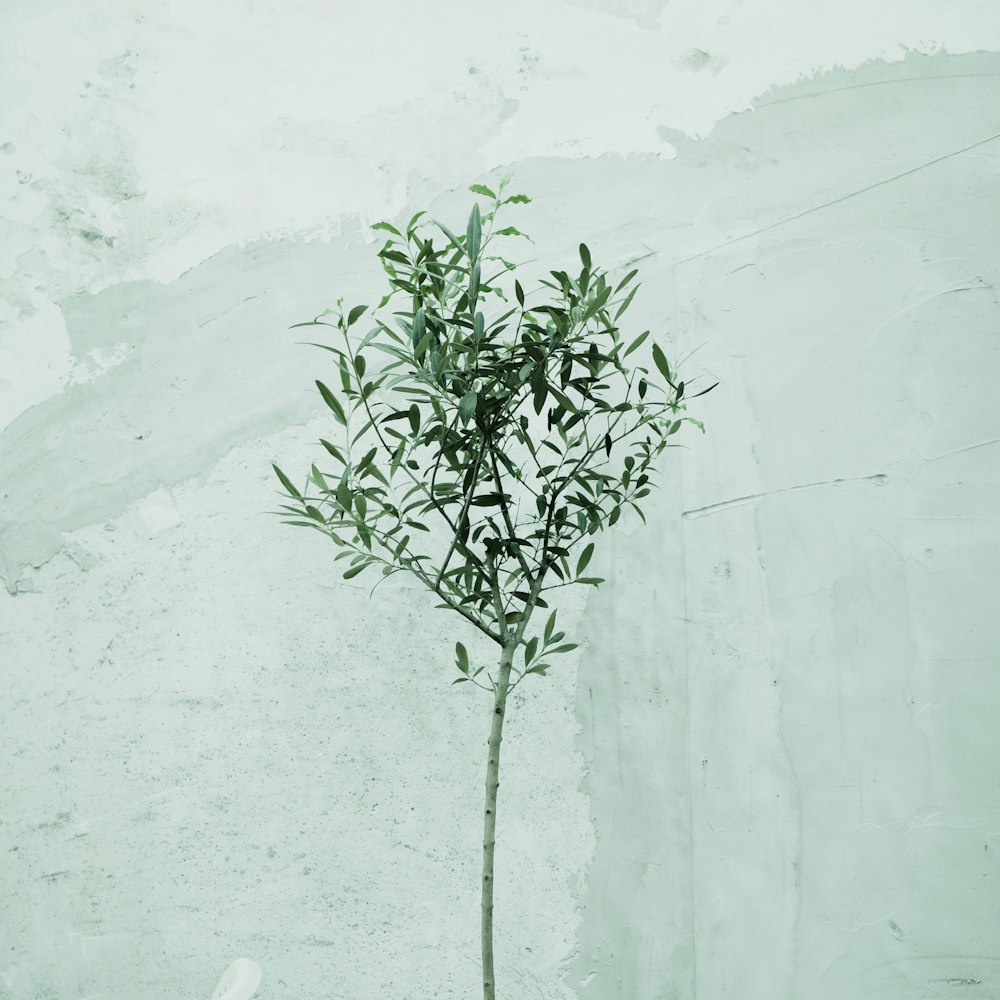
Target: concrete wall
point(771, 769)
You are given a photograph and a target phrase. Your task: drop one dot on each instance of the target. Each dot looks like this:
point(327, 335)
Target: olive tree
point(486, 434)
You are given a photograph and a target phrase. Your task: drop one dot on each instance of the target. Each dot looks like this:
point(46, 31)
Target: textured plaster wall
point(771, 769)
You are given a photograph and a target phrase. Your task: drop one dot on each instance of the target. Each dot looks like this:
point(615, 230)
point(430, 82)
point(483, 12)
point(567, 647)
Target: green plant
point(517, 427)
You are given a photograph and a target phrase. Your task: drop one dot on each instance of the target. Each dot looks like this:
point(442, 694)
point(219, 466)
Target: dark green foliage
point(522, 427)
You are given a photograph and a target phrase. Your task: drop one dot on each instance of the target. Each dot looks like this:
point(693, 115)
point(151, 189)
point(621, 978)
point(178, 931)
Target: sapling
point(486, 434)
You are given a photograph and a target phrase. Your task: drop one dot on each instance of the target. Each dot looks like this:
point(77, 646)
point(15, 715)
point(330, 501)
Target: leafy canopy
point(518, 423)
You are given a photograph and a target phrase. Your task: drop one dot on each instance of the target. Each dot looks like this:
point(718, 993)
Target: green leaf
point(584, 559)
point(516, 199)
point(418, 327)
point(564, 401)
point(660, 360)
point(519, 292)
point(635, 343)
point(462, 657)
point(414, 415)
point(332, 402)
point(397, 457)
point(484, 190)
point(585, 255)
point(355, 570)
point(319, 480)
point(366, 536)
point(530, 649)
point(451, 236)
point(549, 626)
point(420, 349)
point(597, 302)
point(626, 303)
point(388, 228)
point(490, 499)
point(344, 493)
point(367, 460)
point(541, 388)
point(355, 314)
point(473, 233)
point(628, 277)
point(286, 482)
point(564, 649)
point(333, 450)
point(593, 581)
point(704, 391)
point(467, 407)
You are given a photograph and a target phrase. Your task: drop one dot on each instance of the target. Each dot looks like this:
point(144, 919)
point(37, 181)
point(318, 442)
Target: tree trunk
point(490, 817)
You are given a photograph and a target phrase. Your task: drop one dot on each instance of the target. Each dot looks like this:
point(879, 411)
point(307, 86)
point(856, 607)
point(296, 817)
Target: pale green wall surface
point(771, 769)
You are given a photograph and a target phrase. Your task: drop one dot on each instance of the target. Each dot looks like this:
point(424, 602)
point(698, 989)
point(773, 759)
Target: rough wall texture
point(770, 772)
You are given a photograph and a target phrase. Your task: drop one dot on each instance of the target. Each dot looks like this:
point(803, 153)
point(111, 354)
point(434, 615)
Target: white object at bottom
point(239, 981)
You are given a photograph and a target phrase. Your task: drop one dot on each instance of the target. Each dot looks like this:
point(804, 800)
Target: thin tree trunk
point(490, 816)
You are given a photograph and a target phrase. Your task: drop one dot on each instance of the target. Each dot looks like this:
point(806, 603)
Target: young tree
point(519, 431)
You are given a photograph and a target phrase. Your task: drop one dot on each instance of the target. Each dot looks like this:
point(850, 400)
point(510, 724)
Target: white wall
point(770, 771)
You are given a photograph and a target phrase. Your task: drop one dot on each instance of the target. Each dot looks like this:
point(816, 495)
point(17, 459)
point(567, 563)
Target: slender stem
point(512, 639)
point(506, 514)
point(490, 816)
point(465, 507)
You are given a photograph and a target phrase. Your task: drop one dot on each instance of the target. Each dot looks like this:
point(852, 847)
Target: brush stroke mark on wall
point(208, 363)
point(848, 303)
